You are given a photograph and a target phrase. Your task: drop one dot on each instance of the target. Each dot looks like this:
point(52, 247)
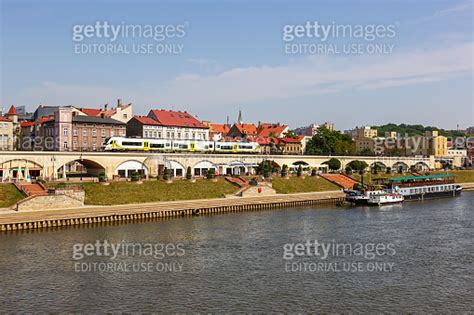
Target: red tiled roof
point(12, 111)
point(247, 129)
point(266, 130)
point(146, 120)
point(176, 119)
point(44, 119)
point(289, 140)
point(4, 118)
point(220, 128)
point(27, 124)
point(91, 111)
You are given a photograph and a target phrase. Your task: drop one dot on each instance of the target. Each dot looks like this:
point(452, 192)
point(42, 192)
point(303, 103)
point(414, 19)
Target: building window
point(125, 116)
point(94, 132)
point(65, 131)
point(94, 146)
point(179, 135)
point(84, 132)
point(84, 145)
point(74, 132)
point(102, 133)
point(65, 144)
point(112, 133)
point(168, 135)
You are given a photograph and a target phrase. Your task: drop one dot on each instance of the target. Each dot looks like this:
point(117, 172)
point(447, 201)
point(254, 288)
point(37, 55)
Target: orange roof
point(44, 119)
point(247, 129)
point(146, 120)
point(91, 111)
point(12, 111)
point(4, 118)
point(176, 119)
point(220, 128)
point(27, 124)
point(267, 130)
point(289, 140)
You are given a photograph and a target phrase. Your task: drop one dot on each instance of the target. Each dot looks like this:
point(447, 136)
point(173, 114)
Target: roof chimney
point(119, 102)
point(105, 106)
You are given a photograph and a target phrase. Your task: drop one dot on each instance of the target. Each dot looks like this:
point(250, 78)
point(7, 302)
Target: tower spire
point(240, 120)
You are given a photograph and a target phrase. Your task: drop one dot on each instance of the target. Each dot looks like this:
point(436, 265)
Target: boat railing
point(427, 183)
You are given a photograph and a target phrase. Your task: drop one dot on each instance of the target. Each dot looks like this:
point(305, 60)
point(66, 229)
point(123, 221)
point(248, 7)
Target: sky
point(226, 56)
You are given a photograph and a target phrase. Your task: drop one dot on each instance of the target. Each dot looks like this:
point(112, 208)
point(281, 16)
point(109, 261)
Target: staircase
point(340, 180)
point(32, 189)
point(239, 181)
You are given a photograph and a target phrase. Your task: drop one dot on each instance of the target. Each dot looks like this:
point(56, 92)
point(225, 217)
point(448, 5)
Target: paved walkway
point(95, 211)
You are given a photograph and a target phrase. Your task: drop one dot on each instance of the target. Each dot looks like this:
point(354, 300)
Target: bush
point(299, 171)
point(135, 176)
point(211, 173)
point(188, 173)
point(314, 172)
point(284, 170)
point(348, 170)
point(102, 177)
point(388, 170)
point(166, 174)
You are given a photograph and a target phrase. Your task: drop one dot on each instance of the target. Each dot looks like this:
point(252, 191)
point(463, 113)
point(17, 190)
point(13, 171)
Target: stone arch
point(380, 166)
point(18, 169)
point(176, 168)
point(399, 165)
point(126, 168)
point(421, 166)
point(202, 167)
point(73, 168)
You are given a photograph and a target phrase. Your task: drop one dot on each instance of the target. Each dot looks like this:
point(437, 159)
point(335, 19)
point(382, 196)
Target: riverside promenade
point(12, 220)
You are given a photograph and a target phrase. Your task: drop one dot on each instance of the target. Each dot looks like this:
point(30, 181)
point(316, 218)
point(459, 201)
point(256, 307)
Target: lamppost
point(82, 166)
point(53, 159)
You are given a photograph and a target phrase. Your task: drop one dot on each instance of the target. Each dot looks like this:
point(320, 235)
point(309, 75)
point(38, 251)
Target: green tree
point(314, 172)
point(348, 170)
point(188, 173)
point(284, 170)
point(358, 165)
point(333, 164)
point(211, 173)
point(299, 171)
point(330, 142)
point(166, 174)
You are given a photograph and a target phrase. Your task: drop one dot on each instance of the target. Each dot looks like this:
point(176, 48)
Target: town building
point(6, 134)
point(291, 145)
point(312, 129)
point(217, 132)
point(270, 130)
point(242, 131)
point(167, 124)
point(69, 131)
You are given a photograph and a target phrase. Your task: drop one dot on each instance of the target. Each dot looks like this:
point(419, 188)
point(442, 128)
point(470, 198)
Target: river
point(413, 257)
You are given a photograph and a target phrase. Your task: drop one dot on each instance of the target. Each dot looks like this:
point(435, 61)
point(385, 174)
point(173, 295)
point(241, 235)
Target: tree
point(367, 152)
point(188, 173)
point(290, 134)
point(284, 170)
point(333, 164)
point(135, 176)
point(102, 177)
point(348, 170)
point(166, 174)
point(388, 170)
point(299, 171)
point(358, 165)
point(211, 173)
point(328, 142)
point(314, 172)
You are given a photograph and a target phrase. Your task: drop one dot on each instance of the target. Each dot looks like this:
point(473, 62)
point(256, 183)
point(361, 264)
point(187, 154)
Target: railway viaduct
point(53, 165)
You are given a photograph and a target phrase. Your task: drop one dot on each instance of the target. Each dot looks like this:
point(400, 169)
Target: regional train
point(165, 145)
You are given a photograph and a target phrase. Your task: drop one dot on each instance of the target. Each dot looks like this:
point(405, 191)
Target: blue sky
point(233, 57)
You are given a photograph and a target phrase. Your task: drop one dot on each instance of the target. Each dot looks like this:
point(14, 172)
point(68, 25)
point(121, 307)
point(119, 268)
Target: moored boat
point(387, 198)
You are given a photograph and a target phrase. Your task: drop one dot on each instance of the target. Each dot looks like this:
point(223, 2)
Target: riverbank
point(11, 220)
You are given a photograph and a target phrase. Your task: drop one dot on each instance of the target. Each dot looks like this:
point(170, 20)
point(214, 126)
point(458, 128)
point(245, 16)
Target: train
point(166, 145)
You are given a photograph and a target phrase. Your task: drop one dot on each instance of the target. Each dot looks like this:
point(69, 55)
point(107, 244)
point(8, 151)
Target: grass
point(9, 195)
point(154, 191)
point(299, 185)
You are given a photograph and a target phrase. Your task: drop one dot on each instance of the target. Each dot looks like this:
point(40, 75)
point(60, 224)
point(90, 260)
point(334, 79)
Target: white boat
point(381, 199)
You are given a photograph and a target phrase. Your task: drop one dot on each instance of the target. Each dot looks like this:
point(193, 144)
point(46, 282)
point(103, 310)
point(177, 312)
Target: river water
point(251, 262)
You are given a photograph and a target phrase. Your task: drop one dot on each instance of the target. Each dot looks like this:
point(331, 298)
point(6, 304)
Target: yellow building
point(6, 134)
point(438, 145)
point(365, 132)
